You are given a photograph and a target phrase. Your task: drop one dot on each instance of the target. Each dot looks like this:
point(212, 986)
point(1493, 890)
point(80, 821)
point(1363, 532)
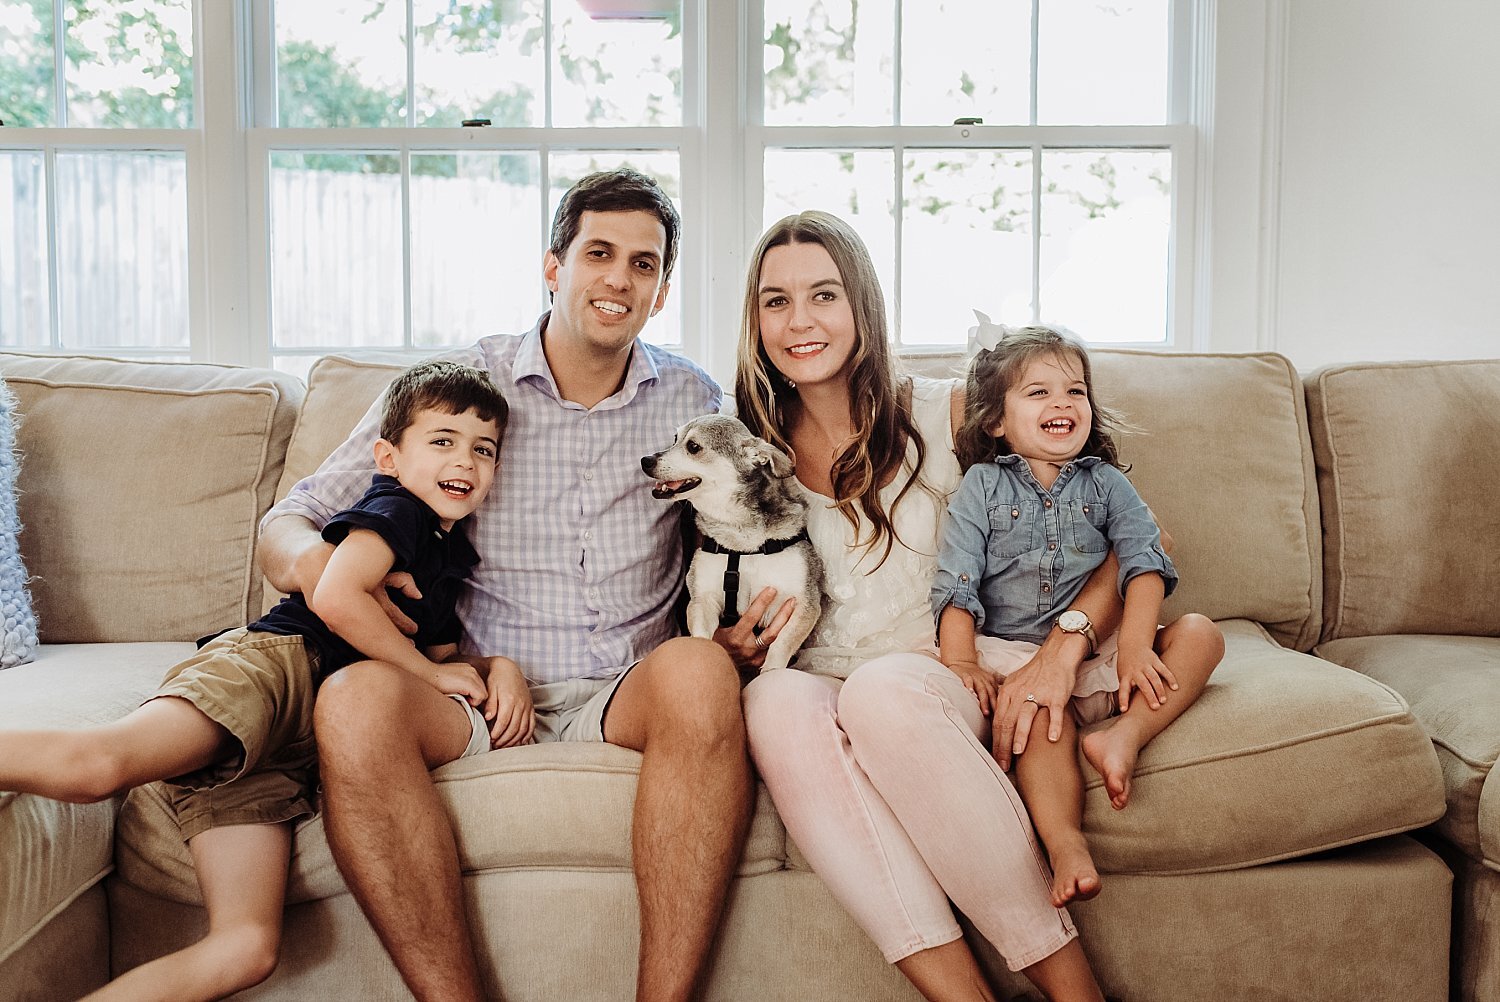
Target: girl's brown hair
point(879, 411)
point(995, 370)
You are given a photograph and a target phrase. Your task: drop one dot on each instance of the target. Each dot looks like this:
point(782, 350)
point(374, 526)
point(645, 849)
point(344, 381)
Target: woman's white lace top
point(869, 614)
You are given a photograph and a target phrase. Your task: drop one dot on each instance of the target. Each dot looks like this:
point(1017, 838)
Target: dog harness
point(731, 613)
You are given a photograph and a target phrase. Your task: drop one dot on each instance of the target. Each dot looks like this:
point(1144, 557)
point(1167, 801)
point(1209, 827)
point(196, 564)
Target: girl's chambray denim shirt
point(1016, 555)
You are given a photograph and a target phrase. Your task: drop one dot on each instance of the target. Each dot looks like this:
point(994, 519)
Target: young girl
point(1042, 503)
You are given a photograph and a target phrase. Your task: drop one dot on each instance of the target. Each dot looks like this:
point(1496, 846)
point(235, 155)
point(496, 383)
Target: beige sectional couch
point(1265, 853)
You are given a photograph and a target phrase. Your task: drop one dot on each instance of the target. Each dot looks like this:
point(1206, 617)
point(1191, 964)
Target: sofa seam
point(55, 911)
point(1477, 763)
point(1279, 857)
point(1278, 745)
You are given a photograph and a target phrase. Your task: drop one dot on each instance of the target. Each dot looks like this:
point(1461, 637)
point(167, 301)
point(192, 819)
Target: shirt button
point(963, 577)
point(588, 534)
point(1047, 503)
point(588, 474)
point(1051, 546)
point(1015, 513)
point(1085, 509)
point(1046, 588)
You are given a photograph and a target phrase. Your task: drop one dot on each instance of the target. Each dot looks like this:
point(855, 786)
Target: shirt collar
point(531, 363)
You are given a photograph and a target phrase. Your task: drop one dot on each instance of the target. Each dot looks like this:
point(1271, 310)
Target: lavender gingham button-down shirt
point(579, 564)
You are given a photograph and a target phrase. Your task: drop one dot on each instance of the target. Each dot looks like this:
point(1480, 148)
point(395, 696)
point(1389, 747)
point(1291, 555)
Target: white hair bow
point(988, 334)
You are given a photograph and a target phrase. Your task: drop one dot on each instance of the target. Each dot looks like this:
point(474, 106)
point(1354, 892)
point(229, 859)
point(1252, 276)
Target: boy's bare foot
point(1074, 877)
point(1112, 751)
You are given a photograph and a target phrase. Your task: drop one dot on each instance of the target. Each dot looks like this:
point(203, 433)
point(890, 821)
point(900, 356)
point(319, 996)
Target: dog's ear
point(763, 453)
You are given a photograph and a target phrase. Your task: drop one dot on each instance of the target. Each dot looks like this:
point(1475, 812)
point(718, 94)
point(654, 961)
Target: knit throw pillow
point(18, 629)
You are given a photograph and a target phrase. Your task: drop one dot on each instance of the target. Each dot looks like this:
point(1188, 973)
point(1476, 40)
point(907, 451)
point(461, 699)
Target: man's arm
point(293, 554)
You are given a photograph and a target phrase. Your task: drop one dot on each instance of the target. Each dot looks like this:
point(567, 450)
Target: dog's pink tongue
point(670, 485)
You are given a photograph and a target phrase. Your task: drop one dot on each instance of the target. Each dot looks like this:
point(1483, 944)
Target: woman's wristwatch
point(1076, 621)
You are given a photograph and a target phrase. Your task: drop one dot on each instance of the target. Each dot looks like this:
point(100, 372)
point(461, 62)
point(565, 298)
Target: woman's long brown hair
point(879, 412)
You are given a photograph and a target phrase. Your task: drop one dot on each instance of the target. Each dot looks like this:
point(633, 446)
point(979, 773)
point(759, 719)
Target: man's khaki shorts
point(259, 687)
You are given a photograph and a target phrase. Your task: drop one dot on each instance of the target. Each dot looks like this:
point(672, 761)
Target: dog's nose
point(648, 463)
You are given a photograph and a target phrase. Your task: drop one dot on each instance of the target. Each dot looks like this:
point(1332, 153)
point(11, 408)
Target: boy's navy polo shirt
point(438, 561)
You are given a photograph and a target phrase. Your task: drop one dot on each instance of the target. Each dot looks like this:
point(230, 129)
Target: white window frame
point(721, 145)
point(1191, 69)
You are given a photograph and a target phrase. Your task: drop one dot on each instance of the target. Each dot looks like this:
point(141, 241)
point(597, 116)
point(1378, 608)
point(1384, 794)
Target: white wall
point(1365, 135)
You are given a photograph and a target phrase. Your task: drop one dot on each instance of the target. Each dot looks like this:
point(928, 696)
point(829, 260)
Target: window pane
point(476, 245)
point(340, 63)
point(615, 72)
point(1106, 230)
point(951, 70)
point(130, 63)
point(858, 186)
point(479, 60)
point(666, 166)
point(24, 321)
point(1103, 62)
point(829, 62)
point(27, 81)
point(336, 244)
point(122, 249)
point(966, 242)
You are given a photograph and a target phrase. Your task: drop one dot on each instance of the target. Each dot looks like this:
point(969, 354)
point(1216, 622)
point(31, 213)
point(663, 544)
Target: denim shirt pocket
point(1086, 521)
point(1013, 528)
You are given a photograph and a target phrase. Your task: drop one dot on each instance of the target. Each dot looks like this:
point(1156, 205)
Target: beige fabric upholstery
point(1258, 769)
point(66, 959)
point(1237, 493)
point(339, 392)
point(1406, 458)
point(100, 683)
point(1453, 686)
point(120, 439)
point(785, 940)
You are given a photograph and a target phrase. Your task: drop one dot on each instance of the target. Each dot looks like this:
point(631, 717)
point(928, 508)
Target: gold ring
point(1031, 697)
point(760, 642)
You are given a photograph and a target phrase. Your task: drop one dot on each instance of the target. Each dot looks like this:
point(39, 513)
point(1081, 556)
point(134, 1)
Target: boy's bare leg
point(946, 973)
point(680, 708)
point(1192, 648)
point(379, 731)
point(1052, 787)
point(160, 739)
point(242, 871)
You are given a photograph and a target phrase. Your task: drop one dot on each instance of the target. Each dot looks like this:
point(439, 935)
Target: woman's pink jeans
point(888, 787)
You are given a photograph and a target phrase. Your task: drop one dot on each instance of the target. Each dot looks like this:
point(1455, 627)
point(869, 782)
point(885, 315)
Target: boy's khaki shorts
point(259, 687)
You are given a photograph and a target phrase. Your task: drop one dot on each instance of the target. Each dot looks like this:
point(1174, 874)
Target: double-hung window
point(98, 144)
point(266, 181)
point(1025, 159)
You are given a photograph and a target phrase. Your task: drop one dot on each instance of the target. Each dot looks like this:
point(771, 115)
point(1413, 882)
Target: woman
point(886, 781)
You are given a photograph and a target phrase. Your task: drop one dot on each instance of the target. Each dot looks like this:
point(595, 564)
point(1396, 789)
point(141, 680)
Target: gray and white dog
point(754, 529)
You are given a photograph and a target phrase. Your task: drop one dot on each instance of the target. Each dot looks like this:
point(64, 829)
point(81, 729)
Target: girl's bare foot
point(1074, 877)
point(1112, 751)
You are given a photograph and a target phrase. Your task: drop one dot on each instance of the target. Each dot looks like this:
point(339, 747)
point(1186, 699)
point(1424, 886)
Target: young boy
point(231, 727)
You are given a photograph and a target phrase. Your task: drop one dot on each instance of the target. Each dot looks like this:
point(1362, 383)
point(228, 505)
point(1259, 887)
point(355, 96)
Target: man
point(578, 572)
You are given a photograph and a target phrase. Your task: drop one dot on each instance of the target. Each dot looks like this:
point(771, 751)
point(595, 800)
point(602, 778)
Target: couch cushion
point(564, 806)
point(339, 392)
point(54, 851)
point(1284, 755)
point(140, 491)
point(1453, 686)
point(1242, 508)
point(1406, 464)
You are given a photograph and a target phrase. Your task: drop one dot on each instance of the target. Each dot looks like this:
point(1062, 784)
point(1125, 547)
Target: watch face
point(1073, 621)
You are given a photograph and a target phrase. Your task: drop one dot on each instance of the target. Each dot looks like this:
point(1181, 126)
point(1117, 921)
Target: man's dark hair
point(442, 386)
point(622, 190)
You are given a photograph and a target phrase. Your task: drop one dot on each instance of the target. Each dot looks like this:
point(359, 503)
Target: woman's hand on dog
point(740, 639)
